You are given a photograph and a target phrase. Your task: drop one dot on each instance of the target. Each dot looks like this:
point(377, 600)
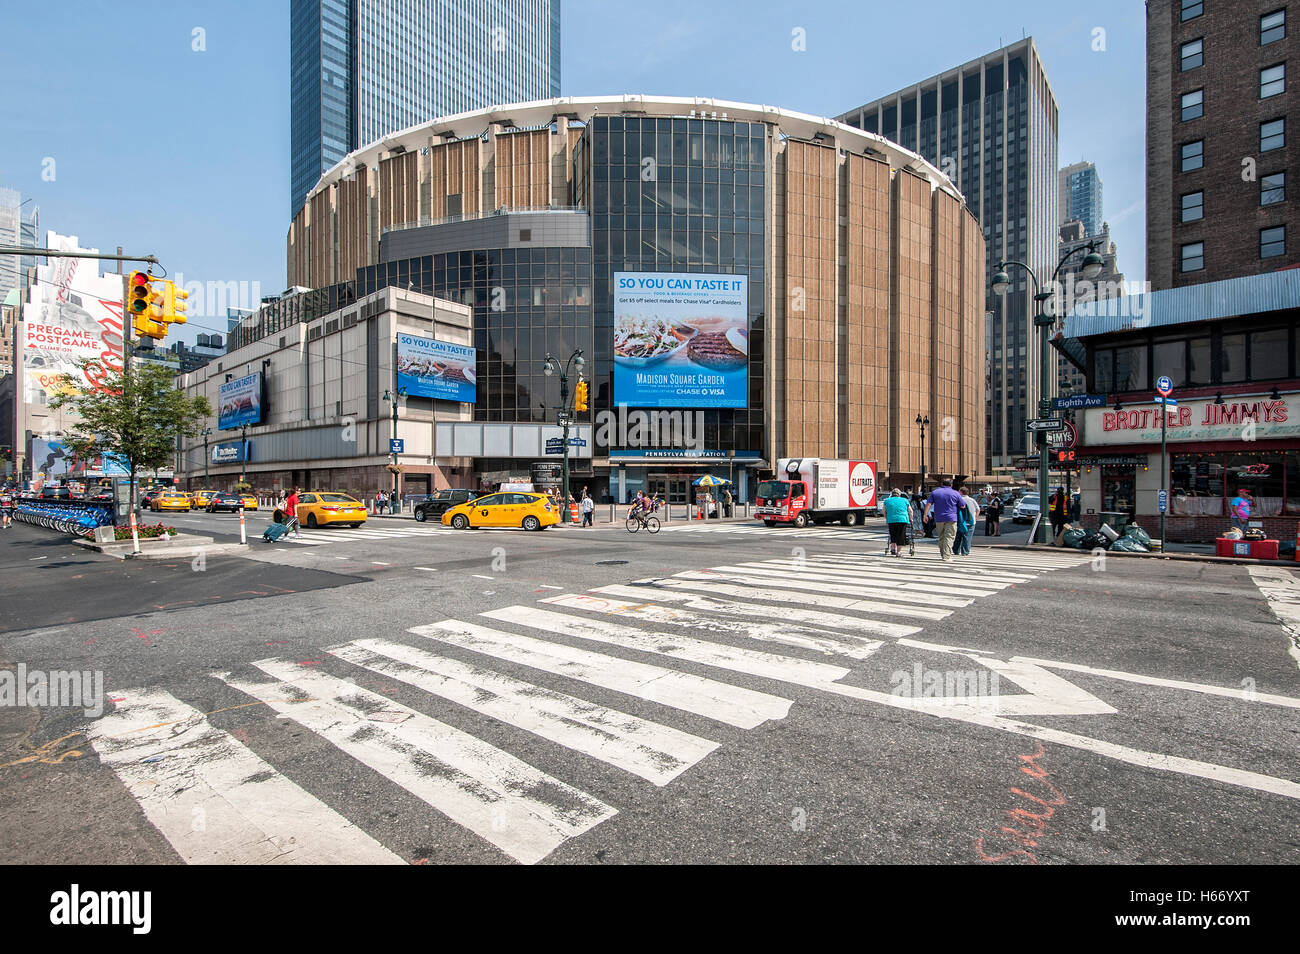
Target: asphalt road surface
point(711, 694)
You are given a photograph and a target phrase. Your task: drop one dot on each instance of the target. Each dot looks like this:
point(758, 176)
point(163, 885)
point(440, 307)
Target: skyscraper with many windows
point(991, 126)
point(361, 69)
point(1081, 196)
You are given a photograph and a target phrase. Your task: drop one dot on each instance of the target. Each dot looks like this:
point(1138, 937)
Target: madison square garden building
point(745, 283)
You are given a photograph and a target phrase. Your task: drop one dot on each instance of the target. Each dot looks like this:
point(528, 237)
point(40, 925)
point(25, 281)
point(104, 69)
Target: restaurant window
point(1263, 474)
point(1131, 367)
point(1196, 485)
point(1118, 486)
point(1232, 359)
point(1170, 358)
point(1198, 361)
point(1269, 354)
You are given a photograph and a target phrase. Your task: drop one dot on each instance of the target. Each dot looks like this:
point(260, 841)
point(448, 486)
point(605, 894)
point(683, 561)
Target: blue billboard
point(681, 340)
point(239, 402)
point(436, 369)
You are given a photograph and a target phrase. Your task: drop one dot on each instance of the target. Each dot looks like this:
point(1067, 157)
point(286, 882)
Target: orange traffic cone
point(573, 513)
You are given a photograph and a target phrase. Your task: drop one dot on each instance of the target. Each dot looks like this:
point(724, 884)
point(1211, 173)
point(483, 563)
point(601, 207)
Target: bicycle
point(637, 520)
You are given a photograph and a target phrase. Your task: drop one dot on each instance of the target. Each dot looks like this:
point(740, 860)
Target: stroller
point(281, 524)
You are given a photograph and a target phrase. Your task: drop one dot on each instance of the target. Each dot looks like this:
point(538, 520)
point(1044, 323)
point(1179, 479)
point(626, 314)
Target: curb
point(1181, 557)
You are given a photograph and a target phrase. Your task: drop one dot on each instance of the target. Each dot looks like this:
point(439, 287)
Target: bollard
point(135, 536)
point(243, 538)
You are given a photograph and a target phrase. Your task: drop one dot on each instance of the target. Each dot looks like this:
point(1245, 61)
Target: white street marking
point(1282, 590)
point(735, 574)
point(723, 702)
point(251, 814)
point(719, 586)
point(657, 753)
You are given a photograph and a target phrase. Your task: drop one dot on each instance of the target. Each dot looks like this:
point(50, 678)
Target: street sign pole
point(1164, 470)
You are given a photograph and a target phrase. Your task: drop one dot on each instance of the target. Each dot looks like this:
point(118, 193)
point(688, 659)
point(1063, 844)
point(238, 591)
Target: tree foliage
point(135, 413)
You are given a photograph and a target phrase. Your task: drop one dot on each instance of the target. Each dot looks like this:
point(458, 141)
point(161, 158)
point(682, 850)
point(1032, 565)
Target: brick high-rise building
point(1221, 140)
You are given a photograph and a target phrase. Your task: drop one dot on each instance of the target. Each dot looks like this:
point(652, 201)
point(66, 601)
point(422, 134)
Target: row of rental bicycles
point(63, 518)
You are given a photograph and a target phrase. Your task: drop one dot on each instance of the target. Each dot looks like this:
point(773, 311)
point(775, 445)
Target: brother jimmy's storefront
point(1232, 350)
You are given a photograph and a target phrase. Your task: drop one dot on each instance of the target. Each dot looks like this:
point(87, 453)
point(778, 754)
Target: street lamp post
point(565, 417)
point(243, 453)
point(1092, 265)
point(394, 401)
point(207, 432)
point(922, 423)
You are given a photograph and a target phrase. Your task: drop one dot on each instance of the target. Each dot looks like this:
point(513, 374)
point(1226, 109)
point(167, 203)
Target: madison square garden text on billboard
point(239, 402)
point(436, 369)
point(681, 340)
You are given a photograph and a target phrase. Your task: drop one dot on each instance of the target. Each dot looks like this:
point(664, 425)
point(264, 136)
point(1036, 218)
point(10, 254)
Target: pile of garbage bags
point(1134, 539)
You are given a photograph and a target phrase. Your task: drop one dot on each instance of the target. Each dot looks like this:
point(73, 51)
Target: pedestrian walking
point(1057, 511)
point(966, 519)
point(993, 517)
point(588, 508)
point(726, 502)
point(6, 509)
point(898, 518)
point(942, 506)
point(291, 508)
point(1239, 509)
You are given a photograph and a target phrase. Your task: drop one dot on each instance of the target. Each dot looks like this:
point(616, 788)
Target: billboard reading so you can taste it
point(240, 402)
point(436, 369)
point(681, 339)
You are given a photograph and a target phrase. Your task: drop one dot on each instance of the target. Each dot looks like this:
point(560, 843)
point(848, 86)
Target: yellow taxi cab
point(320, 507)
point(170, 500)
point(201, 498)
point(250, 502)
point(530, 511)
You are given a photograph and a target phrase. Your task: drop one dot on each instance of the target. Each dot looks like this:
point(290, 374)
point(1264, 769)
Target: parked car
point(51, 492)
point(104, 495)
point(442, 501)
point(530, 511)
point(320, 507)
point(1026, 509)
point(147, 497)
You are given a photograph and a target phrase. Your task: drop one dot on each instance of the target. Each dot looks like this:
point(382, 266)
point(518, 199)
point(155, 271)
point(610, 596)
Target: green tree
point(136, 413)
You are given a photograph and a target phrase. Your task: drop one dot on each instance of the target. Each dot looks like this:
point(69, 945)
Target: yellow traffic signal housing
point(580, 397)
point(171, 311)
point(144, 305)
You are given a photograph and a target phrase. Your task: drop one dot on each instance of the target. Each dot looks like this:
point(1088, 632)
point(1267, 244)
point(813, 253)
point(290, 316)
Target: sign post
point(1165, 386)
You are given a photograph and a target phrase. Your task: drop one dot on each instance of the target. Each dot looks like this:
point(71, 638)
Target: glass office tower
point(991, 126)
point(1081, 196)
point(361, 69)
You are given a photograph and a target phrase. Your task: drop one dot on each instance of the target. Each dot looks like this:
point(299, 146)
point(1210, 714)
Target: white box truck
point(808, 490)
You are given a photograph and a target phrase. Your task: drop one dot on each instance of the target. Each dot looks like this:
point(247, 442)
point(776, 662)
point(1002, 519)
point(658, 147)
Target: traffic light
point(172, 313)
point(145, 306)
point(580, 397)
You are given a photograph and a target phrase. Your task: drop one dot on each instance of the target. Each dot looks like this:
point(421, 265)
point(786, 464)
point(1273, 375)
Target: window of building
point(1192, 55)
point(1272, 189)
point(1272, 135)
point(1193, 105)
point(1192, 9)
point(1170, 358)
point(1232, 358)
point(1198, 361)
point(1193, 155)
point(1272, 242)
point(1193, 206)
point(1272, 26)
point(1269, 354)
point(1272, 81)
point(1193, 256)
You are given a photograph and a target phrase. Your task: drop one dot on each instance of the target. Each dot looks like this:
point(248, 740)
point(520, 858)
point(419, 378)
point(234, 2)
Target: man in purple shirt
point(944, 503)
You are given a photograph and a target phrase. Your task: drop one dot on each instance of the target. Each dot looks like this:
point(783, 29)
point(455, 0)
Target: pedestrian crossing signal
point(1065, 457)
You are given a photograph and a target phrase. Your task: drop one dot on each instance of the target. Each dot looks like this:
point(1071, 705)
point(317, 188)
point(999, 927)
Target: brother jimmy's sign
point(1240, 417)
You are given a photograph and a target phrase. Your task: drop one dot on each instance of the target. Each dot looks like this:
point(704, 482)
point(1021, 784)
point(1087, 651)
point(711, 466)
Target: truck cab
point(782, 501)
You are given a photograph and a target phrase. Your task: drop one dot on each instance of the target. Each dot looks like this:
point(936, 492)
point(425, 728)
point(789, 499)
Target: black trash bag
point(1286, 549)
point(1094, 539)
point(1128, 545)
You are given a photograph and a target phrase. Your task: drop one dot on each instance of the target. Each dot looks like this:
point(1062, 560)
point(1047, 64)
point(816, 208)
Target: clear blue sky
point(188, 157)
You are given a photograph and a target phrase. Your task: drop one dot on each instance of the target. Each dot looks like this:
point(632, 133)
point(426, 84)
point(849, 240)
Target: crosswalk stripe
point(735, 574)
point(794, 614)
point(719, 655)
point(906, 567)
point(1024, 561)
point(505, 801)
point(772, 592)
point(790, 635)
point(883, 576)
point(214, 799)
point(657, 753)
point(720, 701)
point(927, 587)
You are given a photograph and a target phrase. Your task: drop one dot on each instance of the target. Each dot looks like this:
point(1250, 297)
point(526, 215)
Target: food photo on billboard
point(436, 369)
point(681, 340)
